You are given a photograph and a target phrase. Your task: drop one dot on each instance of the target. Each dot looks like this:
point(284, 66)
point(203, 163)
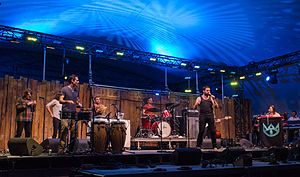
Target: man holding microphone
point(205, 104)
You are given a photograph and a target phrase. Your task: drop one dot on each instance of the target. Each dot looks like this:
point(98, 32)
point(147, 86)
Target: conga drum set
point(108, 132)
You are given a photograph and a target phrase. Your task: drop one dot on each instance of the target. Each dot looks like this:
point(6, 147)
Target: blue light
point(268, 78)
point(157, 94)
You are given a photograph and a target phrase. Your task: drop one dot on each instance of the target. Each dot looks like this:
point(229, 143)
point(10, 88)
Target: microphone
point(212, 96)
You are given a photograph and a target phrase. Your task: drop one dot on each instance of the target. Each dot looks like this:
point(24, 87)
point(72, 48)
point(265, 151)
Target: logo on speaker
point(271, 130)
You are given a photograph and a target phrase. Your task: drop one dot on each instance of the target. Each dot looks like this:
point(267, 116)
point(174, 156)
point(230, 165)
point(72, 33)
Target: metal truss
point(101, 50)
point(270, 64)
point(16, 35)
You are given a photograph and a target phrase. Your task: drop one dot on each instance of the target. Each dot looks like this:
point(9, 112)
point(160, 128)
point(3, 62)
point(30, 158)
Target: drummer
point(100, 109)
point(148, 107)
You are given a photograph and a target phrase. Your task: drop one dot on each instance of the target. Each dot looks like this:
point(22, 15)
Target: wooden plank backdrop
point(126, 100)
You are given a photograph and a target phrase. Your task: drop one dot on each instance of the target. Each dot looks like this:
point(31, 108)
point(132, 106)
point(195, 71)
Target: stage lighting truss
point(100, 50)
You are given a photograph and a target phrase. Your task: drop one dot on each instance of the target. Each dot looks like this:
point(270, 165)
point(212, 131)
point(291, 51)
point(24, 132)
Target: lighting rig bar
point(271, 63)
point(17, 35)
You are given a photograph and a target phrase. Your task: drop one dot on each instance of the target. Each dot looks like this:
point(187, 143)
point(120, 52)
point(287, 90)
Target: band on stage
point(156, 120)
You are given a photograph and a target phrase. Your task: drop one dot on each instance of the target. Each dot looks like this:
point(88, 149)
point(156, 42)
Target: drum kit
point(162, 125)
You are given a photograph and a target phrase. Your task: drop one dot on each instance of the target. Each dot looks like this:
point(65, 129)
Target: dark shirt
point(206, 106)
point(69, 94)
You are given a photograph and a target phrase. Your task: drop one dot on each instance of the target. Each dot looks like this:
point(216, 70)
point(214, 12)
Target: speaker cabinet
point(24, 147)
point(187, 156)
point(51, 143)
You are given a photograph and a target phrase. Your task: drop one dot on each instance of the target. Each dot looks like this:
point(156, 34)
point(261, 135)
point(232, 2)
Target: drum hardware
point(152, 110)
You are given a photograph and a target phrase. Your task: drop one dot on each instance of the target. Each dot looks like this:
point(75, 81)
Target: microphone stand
point(92, 132)
point(161, 127)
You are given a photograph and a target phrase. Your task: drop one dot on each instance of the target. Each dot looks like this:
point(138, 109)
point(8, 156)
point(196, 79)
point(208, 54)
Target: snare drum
point(164, 126)
point(100, 137)
point(117, 136)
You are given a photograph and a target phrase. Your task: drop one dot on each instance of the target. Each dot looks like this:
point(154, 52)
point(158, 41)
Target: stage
point(234, 161)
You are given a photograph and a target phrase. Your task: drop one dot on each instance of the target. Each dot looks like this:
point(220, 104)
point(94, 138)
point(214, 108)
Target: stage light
point(187, 77)
point(79, 48)
point(50, 47)
point(66, 77)
point(15, 41)
point(210, 69)
point(250, 76)
point(234, 83)
point(235, 96)
point(183, 64)
point(56, 42)
point(152, 59)
point(272, 79)
point(196, 67)
point(258, 74)
point(222, 71)
point(31, 38)
point(242, 77)
point(268, 78)
point(188, 91)
point(99, 51)
point(232, 72)
point(212, 72)
point(120, 53)
point(157, 94)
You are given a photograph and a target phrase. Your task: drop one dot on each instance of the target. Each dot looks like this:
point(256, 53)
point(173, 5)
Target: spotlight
point(120, 53)
point(242, 77)
point(31, 38)
point(183, 64)
point(152, 59)
point(234, 83)
point(222, 71)
point(50, 47)
point(79, 48)
point(232, 72)
point(268, 78)
point(188, 91)
point(99, 51)
point(66, 77)
point(157, 94)
point(196, 67)
point(258, 74)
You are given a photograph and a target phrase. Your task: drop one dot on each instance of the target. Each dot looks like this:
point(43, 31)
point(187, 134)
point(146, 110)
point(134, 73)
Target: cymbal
point(174, 105)
point(153, 110)
point(169, 104)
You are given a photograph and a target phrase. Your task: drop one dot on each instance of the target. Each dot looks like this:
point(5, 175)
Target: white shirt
point(56, 108)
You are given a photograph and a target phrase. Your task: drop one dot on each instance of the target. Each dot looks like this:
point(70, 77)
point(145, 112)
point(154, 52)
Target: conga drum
point(100, 138)
point(117, 136)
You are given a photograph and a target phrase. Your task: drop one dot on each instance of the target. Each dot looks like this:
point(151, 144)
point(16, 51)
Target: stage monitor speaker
point(51, 143)
point(208, 145)
point(243, 160)
point(81, 146)
point(24, 147)
point(187, 156)
point(231, 154)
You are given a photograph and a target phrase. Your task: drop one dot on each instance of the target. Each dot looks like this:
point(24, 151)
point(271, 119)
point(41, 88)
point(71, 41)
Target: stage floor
point(146, 163)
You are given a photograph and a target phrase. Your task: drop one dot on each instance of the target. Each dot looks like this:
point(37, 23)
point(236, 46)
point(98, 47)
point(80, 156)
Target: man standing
point(25, 107)
point(55, 113)
point(69, 100)
point(205, 104)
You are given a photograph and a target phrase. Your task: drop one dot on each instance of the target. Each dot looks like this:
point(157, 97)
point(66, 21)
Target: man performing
point(205, 103)
point(69, 100)
point(99, 108)
point(25, 107)
point(54, 109)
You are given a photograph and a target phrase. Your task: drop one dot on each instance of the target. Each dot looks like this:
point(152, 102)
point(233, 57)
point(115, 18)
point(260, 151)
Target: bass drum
point(117, 136)
point(162, 129)
point(100, 138)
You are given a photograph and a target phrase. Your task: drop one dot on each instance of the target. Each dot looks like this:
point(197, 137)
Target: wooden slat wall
point(127, 101)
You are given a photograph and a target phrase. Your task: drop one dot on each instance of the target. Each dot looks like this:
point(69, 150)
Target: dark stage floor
point(222, 162)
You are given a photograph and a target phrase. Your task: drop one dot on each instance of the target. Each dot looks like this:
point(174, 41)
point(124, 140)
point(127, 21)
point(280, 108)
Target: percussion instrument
point(100, 138)
point(117, 136)
point(161, 128)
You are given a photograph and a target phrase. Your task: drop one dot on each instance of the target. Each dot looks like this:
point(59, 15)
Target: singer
point(205, 104)
point(25, 107)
